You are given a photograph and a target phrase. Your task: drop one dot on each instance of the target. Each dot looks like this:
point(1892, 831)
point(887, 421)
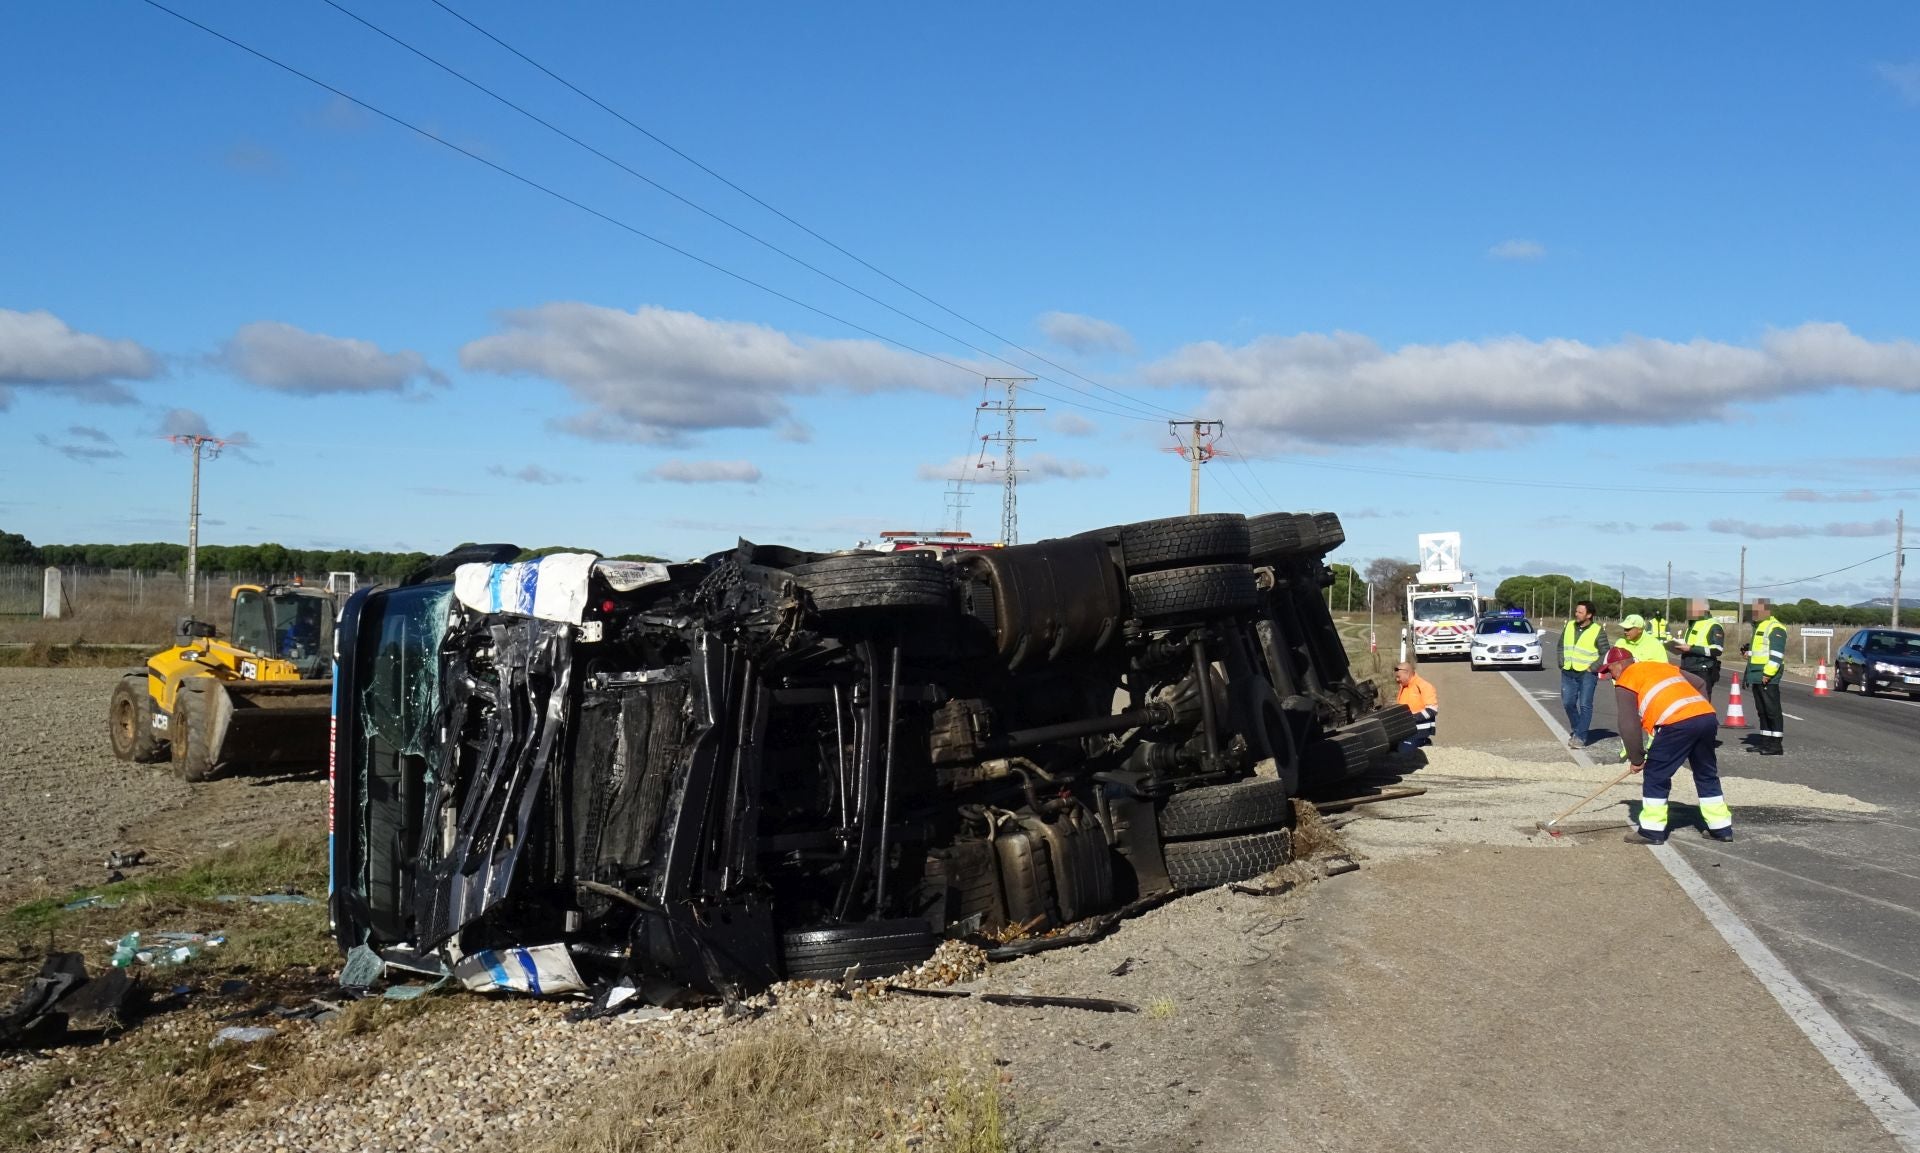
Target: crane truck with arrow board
point(1443, 603)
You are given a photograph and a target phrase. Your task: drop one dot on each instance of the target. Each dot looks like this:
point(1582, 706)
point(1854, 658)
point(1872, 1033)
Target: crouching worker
point(1416, 692)
point(1669, 703)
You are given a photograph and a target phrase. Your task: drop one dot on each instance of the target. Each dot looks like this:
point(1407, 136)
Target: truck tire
point(1176, 541)
point(130, 721)
point(1194, 865)
point(1328, 532)
point(1203, 590)
point(1277, 535)
point(879, 948)
point(875, 581)
point(1398, 723)
point(190, 732)
point(1333, 760)
point(1218, 810)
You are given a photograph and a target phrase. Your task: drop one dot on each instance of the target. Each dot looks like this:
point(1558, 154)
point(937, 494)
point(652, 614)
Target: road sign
point(1816, 632)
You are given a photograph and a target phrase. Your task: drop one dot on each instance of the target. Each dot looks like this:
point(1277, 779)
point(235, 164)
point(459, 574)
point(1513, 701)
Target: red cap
point(1616, 653)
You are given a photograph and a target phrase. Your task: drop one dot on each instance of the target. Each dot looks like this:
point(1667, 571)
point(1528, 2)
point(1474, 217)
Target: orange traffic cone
point(1820, 680)
point(1736, 716)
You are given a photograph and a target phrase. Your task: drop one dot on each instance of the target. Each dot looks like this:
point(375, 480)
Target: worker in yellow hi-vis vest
point(1581, 643)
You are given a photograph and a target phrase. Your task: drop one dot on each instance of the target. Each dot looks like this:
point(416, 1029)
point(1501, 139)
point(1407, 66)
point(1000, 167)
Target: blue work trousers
point(1576, 696)
point(1690, 742)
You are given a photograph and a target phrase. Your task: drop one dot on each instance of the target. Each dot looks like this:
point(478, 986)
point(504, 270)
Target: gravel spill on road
point(1476, 797)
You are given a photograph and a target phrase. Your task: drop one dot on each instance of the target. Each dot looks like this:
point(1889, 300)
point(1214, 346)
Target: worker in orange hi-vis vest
point(1667, 706)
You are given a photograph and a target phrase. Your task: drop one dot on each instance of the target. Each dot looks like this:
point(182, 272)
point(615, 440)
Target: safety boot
point(1721, 835)
point(1773, 747)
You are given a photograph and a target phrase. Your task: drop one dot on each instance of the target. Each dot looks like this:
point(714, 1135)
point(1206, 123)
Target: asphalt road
point(1835, 895)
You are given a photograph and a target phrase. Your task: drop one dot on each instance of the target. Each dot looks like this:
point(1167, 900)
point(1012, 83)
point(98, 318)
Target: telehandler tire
point(130, 721)
point(190, 734)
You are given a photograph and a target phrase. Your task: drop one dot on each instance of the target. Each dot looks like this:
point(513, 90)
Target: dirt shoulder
point(65, 801)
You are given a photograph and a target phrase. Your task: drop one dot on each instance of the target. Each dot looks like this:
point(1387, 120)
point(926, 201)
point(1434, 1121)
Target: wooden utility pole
point(198, 443)
point(1198, 449)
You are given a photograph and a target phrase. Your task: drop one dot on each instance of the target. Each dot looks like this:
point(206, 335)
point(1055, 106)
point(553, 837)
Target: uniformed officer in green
point(1643, 642)
point(1700, 649)
point(1766, 664)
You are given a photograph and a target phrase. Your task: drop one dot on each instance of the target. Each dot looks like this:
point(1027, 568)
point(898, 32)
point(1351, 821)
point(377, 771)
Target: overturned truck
point(773, 763)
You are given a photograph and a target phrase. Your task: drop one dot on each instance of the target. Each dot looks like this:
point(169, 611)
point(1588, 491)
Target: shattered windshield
point(399, 673)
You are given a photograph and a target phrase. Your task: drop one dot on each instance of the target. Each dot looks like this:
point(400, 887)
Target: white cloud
point(653, 375)
point(282, 358)
point(1073, 424)
point(1905, 79)
point(707, 472)
point(1343, 388)
point(1518, 250)
point(1034, 467)
point(530, 474)
point(1754, 531)
point(1671, 526)
point(38, 350)
point(1085, 334)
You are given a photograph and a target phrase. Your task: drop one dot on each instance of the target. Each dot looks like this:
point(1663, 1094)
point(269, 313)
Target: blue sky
point(1588, 255)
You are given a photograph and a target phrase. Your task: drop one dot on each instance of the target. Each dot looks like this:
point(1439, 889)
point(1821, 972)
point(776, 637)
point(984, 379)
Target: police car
point(1505, 638)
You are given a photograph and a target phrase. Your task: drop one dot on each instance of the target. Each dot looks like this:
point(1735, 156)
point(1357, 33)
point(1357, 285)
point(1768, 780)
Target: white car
point(1502, 639)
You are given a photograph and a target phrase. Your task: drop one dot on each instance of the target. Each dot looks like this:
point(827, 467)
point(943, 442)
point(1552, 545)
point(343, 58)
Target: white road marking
point(1553, 726)
point(1877, 1091)
point(1833, 948)
point(1791, 717)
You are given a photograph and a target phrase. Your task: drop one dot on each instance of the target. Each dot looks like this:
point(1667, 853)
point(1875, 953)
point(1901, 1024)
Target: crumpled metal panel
point(505, 724)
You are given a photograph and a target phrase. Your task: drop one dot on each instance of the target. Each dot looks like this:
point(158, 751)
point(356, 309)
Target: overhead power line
point(597, 213)
point(707, 212)
point(1817, 576)
point(856, 258)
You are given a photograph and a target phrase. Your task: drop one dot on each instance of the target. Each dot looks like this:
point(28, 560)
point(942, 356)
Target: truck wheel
point(189, 730)
point(1203, 590)
point(1276, 535)
point(130, 721)
point(1217, 810)
point(1328, 533)
point(879, 948)
point(1195, 865)
point(875, 581)
point(1183, 540)
point(1398, 722)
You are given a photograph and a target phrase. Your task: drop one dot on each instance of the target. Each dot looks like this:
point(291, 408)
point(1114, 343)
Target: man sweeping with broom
point(1679, 722)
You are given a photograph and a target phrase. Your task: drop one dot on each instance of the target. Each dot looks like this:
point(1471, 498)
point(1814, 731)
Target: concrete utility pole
point(1740, 613)
point(1198, 450)
point(1666, 606)
point(1899, 560)
point(1010, 484)
point(211, 445)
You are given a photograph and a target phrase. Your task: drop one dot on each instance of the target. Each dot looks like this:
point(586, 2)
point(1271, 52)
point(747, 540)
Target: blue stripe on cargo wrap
point(532, 970)
point(494, 573)
point(495, 969)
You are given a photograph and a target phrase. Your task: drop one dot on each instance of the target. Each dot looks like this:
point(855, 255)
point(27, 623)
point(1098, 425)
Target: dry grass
point(23, 1110)
point(785, 1088)
point(1313, 837)
point(264, 943)
point(108, 624)
point(40, 655)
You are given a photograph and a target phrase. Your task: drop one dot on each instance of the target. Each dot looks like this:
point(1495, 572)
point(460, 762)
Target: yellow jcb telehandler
point(261, 697)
